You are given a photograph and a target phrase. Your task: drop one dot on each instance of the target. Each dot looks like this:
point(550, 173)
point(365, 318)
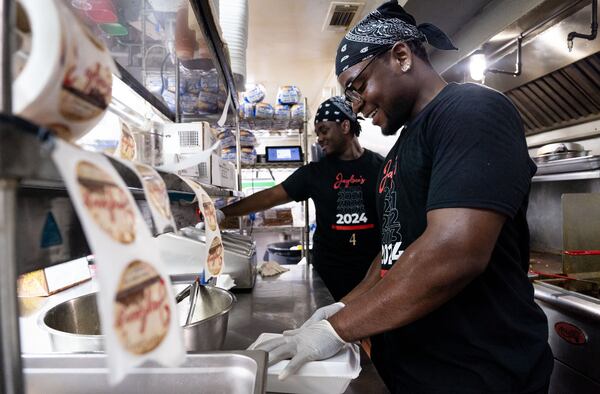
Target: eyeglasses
point(351, 94)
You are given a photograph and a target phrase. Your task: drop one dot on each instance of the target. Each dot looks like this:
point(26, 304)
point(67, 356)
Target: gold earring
point(405, 67)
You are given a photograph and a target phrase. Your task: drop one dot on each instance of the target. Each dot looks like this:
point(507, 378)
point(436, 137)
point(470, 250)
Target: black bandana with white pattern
point(380, 30)
point(335, 109)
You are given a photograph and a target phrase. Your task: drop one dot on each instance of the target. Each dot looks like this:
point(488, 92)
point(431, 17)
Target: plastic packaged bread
point(263, 111)
point(288, 95)
point(255, 94)
point(282, 112)
point(298, 111)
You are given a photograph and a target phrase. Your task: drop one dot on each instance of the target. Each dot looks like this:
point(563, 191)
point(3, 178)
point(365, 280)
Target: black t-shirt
point(466, 149)
point(347, 233)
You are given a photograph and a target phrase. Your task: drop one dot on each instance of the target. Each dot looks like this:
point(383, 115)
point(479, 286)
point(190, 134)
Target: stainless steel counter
point(285, 302)
point(274, 305)
point(574, 336)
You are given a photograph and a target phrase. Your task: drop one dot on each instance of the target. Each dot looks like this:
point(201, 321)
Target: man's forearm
point(384, 306)
point(260, 201)
point(245, 206)
point(371, 278)
point(454, 249)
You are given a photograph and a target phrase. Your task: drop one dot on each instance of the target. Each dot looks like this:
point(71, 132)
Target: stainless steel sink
point(74, 325)
point(213, 372)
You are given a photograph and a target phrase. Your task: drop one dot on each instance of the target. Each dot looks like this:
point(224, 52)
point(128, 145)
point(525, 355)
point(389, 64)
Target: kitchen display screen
point(283, 153)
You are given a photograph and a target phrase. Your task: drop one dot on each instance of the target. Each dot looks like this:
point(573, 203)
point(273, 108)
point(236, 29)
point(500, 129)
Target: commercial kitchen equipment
point(74, 324)
point(182, 254)
point(571, 299)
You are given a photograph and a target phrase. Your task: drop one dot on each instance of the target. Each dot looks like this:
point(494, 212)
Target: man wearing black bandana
point(450, 298)
point(342, 186)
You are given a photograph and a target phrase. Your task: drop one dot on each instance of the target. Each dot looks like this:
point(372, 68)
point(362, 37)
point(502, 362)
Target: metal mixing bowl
point(74, 325)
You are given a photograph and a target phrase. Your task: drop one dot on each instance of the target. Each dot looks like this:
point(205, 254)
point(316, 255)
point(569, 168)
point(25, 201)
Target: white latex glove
point(324, 312)
point(220, 216)
point(317, 341)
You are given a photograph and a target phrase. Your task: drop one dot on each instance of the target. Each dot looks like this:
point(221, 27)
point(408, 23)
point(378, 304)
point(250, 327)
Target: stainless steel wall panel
point(544, 213)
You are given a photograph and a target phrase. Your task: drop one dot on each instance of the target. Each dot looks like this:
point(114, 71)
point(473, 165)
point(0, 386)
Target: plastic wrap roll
point(66, 81)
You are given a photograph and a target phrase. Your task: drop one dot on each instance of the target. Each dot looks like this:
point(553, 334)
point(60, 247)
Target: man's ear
point(401, 57)
point(346, 127)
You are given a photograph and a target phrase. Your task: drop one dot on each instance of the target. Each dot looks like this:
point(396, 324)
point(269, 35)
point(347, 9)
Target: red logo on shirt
point(388, 174)
point(340, 181)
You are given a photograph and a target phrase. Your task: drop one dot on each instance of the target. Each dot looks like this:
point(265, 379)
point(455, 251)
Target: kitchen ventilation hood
point(562, 98)
point(557, 87)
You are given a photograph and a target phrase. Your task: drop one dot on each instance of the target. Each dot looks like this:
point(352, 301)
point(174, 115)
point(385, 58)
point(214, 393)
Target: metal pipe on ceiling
point(533, 31)
point(518, 63)
point(594, 28)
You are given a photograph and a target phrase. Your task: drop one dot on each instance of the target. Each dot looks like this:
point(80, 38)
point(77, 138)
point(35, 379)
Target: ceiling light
point(477, 66)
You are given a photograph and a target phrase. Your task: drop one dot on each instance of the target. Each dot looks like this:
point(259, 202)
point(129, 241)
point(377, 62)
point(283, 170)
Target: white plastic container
point(329, 376)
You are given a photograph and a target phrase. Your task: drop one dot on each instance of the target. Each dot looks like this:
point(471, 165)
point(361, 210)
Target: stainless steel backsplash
point(545, 213)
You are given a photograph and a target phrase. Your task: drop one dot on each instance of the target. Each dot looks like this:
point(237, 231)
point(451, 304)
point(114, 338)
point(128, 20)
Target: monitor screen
point(283, 153)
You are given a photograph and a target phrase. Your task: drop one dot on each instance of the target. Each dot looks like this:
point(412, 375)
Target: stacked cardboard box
point(278, 217)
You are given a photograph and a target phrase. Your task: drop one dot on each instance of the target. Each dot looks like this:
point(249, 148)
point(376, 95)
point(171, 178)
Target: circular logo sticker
point(106, 202)
point(142, 311)
point(214, 262)
point(127, 144)
point(210, 214)
point(157, 192)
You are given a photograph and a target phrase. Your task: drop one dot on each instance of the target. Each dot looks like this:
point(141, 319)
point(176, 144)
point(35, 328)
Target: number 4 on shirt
point(353, 239)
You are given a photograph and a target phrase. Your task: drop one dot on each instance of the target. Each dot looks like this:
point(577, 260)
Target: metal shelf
point(255, 125)
point(209, 25)
point(176, 185)
point(567, 176)
point(138, 192)
point(149, 30)
point(18, 140)
point(572, 164)
point(266, 166)
point(210, 118)
point(271, 124)
point(278, 229)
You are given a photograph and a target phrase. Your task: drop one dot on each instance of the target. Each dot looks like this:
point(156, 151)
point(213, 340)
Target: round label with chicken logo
point(106, 202)
point(214, 262)
point(142, 311)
